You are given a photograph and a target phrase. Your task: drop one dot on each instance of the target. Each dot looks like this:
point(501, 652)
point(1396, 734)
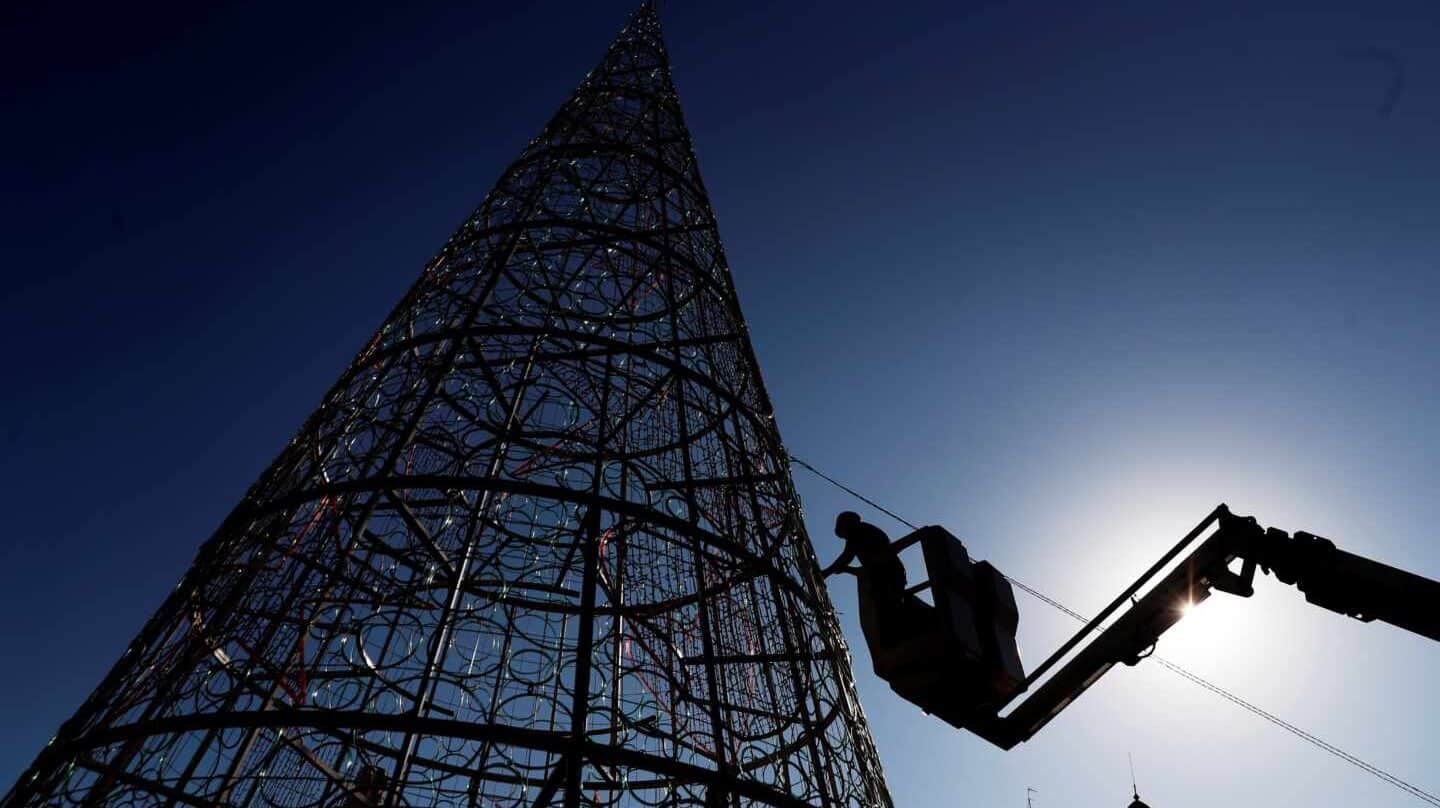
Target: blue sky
point(1060, 277)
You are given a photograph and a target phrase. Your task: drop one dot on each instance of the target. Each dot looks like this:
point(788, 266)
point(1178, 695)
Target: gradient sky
point(1060, 278)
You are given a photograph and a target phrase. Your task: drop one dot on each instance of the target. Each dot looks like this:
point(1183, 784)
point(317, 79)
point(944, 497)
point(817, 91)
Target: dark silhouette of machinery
point(957, 658)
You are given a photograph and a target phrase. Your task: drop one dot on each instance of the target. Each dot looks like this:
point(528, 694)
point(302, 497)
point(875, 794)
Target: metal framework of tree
point(539, 545)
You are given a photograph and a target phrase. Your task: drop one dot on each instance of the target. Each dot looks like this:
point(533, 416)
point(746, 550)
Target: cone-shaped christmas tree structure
point(538, 546)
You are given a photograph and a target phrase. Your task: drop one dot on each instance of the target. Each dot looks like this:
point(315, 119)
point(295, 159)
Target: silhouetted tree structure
point(538, 545)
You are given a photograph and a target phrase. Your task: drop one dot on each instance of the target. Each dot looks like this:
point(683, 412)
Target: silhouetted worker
point(880, 564)
point(369, 788)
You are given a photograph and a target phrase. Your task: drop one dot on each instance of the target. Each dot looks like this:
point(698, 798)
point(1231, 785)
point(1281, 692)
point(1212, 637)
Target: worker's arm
point(842, 564)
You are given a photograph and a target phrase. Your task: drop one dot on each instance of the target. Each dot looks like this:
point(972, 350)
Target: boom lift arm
point(988, 669)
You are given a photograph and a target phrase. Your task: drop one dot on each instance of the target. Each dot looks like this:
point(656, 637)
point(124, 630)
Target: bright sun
point(1208, 630)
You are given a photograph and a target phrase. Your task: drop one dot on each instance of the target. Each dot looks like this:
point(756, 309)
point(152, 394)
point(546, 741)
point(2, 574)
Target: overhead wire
point(856, 494)
point(1194, 678)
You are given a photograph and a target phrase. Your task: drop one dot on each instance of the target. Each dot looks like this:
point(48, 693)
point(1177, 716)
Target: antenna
point(1028, 792)
point(1133, 789)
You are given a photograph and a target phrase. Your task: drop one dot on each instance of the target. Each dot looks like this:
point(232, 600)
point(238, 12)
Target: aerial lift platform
point(956, 657)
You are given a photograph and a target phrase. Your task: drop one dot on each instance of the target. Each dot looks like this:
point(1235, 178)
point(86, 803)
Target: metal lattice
point(555, 463)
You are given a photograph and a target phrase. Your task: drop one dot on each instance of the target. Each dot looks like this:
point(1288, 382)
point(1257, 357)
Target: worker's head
point(846, 522)
point(371, 782)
